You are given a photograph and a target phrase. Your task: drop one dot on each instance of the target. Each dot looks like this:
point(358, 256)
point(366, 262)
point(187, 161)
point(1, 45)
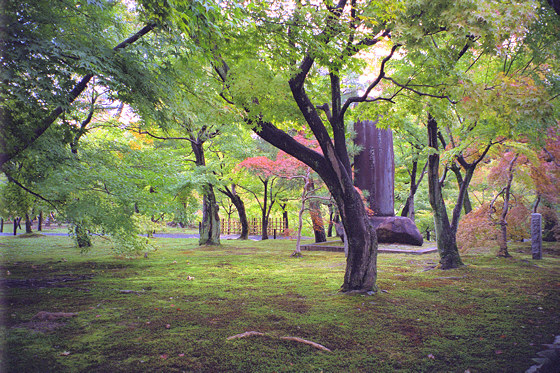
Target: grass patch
point(173, 311)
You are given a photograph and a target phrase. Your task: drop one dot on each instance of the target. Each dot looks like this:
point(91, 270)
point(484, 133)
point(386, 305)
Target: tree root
point(244, 335)
point(296, 339)
point(305, 341)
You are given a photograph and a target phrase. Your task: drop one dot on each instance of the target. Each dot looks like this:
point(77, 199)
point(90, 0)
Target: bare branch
point(407, 87)
point(381, 75)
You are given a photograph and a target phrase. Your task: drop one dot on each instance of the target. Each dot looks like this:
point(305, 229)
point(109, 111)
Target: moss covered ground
point(174, 310)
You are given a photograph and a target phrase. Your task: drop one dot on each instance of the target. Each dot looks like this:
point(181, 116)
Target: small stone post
point(536, 236)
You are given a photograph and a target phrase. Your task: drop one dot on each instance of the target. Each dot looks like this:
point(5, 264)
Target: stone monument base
point(396, 229)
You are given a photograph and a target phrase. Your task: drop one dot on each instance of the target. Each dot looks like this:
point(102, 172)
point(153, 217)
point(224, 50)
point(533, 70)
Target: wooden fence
point(233, 226)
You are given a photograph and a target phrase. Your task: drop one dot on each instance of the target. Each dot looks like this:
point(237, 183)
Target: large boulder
point(396, 229)
point(391, 229)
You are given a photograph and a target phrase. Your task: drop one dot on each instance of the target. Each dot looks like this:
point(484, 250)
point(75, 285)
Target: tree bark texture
point(210, 226)
point(445, 236)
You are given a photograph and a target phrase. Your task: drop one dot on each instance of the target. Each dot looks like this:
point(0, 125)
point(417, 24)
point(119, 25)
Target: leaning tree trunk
point(242, 213)
point(445, 236)
point(240, 207)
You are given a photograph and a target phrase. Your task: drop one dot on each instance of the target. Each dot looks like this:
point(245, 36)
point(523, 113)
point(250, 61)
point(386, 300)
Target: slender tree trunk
point(16, 224)
point(1, 225)
point(446, 239)
point(315, 214)
point(264, 215)
point(40, 222)
point(408, 209)
point(467, 206)
point(503, 248)
point(285, 216)
point(331, 221)
point(297, 252)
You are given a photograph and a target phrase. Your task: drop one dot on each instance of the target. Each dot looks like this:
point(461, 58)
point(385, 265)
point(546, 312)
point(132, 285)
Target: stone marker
point(374, 166)
point(536, 236)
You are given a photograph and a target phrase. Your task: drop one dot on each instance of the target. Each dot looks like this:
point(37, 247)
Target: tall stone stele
point(374, 172)
point(536, 235)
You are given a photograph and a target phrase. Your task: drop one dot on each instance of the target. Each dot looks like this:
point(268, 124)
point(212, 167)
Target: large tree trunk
point(210, 226)
point(445, 236)
point(361, 263)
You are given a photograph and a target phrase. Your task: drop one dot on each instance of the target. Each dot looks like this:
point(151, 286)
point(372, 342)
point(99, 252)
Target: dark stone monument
point(374, 172)
point(536, 236)
point(374, 167)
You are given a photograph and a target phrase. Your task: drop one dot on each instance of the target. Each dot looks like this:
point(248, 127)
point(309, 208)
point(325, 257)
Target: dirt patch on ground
point(290, 303)
point(57, 281)
point(40, 326)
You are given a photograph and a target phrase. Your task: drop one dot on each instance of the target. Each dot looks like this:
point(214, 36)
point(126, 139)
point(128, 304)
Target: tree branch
point(76, 91)
point(407, 87)
point(381, 75)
